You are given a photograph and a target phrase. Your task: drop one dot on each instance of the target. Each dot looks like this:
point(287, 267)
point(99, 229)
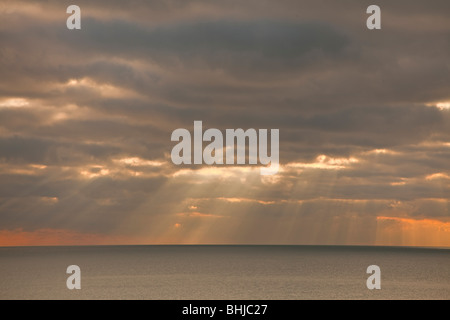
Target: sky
point(86, 118)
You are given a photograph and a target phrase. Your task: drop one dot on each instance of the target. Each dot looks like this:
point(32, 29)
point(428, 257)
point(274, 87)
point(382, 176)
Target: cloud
point(86, 118)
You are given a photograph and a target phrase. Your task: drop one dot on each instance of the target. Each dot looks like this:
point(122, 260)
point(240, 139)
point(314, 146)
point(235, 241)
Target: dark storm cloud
point(272, 39)
point(18, 149)
point(239, 47)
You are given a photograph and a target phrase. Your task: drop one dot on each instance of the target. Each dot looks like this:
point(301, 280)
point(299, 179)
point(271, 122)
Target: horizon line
point(229, 245)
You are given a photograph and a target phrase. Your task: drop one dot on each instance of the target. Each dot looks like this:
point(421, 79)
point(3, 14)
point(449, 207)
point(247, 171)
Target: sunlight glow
point(216, 172)
point(104, 89)
point(381, 151)
point(27, 169)
point(94, 172)
point(136, 161)
point(198, 215)
point(438, 175)
point(14, 103)
point(443, 105)
point(239, 200)
point(413, 232)
point(325, 162)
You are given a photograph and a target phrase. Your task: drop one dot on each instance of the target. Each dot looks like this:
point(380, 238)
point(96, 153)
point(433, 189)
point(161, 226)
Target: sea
point(222, 272)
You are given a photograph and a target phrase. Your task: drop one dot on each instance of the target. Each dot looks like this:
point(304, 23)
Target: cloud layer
point(86, 118)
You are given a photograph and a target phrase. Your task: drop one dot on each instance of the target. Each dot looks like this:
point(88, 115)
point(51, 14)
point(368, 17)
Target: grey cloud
point(210, 39)
point(18, 149)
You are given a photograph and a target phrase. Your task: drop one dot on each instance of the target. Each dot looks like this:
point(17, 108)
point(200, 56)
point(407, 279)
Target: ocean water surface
point(224, 272)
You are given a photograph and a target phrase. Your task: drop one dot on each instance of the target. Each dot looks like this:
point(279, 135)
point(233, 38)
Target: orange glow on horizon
point(56, 237)
point(391, 231)
point(399, 231)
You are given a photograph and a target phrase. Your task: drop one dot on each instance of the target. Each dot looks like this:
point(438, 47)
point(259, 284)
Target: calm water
point(224, 272)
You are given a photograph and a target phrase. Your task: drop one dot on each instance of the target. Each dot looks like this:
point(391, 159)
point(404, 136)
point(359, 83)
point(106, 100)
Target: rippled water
point(224, 272)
